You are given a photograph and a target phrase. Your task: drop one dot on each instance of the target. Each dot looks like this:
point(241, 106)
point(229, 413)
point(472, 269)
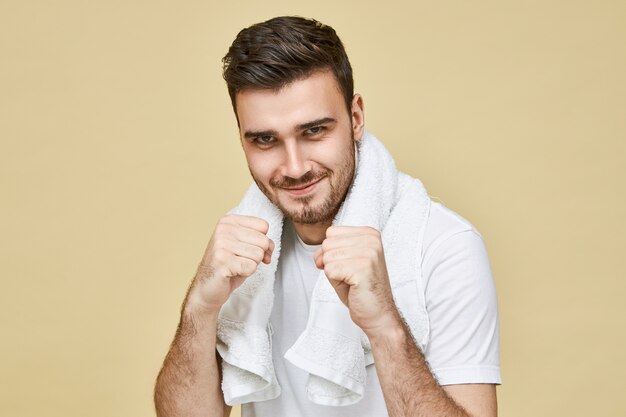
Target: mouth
point(305, 189)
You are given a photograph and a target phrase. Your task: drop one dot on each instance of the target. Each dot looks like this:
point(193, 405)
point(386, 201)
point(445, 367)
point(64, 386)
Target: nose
point(295, 164)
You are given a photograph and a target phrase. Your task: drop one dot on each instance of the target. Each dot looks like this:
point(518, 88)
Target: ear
point(358, 117)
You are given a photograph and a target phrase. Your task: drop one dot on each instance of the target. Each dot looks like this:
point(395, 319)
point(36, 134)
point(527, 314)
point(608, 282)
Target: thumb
point(341, 288)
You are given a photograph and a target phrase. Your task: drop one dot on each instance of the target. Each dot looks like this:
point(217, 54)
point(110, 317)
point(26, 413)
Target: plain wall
point(119, 152)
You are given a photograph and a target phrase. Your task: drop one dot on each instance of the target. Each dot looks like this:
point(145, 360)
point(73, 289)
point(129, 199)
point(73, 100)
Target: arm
point(409, 387)
point(190, 377)
point(189, 382)
point(353, 260)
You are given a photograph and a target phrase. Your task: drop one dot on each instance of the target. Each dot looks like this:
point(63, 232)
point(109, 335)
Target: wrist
point(197, 310)
point(392, 330)
point(195, 301)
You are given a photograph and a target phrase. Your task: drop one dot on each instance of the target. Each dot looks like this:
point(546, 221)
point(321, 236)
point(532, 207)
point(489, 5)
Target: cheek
point(336, 157)
point(263, 167)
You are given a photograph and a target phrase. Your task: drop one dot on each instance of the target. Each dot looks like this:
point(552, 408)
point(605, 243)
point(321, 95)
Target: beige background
point(119, 152)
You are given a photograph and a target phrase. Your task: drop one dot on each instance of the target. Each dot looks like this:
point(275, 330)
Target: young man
point(336, 287)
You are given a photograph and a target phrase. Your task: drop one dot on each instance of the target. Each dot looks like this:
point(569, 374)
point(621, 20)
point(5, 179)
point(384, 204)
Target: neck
point(312, 234)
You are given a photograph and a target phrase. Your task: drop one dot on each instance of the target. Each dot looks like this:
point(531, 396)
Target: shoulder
point(442, 225)
point(453, 252)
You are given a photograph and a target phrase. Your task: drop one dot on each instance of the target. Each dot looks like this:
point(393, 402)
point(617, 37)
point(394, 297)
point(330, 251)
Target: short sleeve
point(462, 308)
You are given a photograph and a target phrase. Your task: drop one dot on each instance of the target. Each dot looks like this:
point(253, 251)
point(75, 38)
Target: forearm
point(408, 385)
point(189, 382)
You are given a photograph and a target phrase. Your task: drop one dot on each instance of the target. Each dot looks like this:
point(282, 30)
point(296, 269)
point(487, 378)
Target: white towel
point(332, 349)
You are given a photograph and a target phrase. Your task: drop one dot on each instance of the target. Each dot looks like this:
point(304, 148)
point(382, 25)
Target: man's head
point(291, 87)
point(272, 54)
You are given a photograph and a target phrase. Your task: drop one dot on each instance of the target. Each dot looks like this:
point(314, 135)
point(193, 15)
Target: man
point(341, 265)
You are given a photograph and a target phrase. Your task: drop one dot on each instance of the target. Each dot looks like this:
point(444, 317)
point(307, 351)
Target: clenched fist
point(238, 245)
point(354, 262)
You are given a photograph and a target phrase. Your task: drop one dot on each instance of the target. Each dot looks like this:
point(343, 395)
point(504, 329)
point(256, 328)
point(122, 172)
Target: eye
point(264, 140)
point(316, 130)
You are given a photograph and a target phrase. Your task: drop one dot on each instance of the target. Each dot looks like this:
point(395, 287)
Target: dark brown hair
point(284, 49)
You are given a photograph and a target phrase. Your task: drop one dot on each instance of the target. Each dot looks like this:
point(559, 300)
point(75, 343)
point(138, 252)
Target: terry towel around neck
point(332, 349)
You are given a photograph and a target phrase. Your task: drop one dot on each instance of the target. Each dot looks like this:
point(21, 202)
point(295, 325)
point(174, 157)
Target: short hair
point(275, 53)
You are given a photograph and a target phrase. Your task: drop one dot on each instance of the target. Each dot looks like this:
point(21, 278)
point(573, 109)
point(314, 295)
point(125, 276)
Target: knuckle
point(372, 238)
point(264, 224)
point(222, 228)
point(333, 268)
point(327, 257)
point(247, 267)
point(373, 232)
point(373, 243)
point(258, 254)
point(220, 255)
point(261, 224)
point(226, 219)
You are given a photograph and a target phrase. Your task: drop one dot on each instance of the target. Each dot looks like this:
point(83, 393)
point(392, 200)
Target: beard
point(306, 211)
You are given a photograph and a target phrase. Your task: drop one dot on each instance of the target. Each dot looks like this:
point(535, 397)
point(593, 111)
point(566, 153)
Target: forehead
point(301, 101)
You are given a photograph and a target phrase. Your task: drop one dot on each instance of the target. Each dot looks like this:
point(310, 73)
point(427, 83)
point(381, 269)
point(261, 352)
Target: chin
point(308, 214)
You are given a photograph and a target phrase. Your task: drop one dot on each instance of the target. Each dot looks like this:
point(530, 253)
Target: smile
point(303, 189)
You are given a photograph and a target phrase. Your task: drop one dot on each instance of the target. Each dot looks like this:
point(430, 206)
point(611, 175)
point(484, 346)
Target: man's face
point(299, 144)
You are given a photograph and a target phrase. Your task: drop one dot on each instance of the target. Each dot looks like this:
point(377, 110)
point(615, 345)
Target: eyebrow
point(250, 134)
point(313, 123)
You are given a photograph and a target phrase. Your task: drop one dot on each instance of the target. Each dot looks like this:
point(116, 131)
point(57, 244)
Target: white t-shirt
point(462, 311)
